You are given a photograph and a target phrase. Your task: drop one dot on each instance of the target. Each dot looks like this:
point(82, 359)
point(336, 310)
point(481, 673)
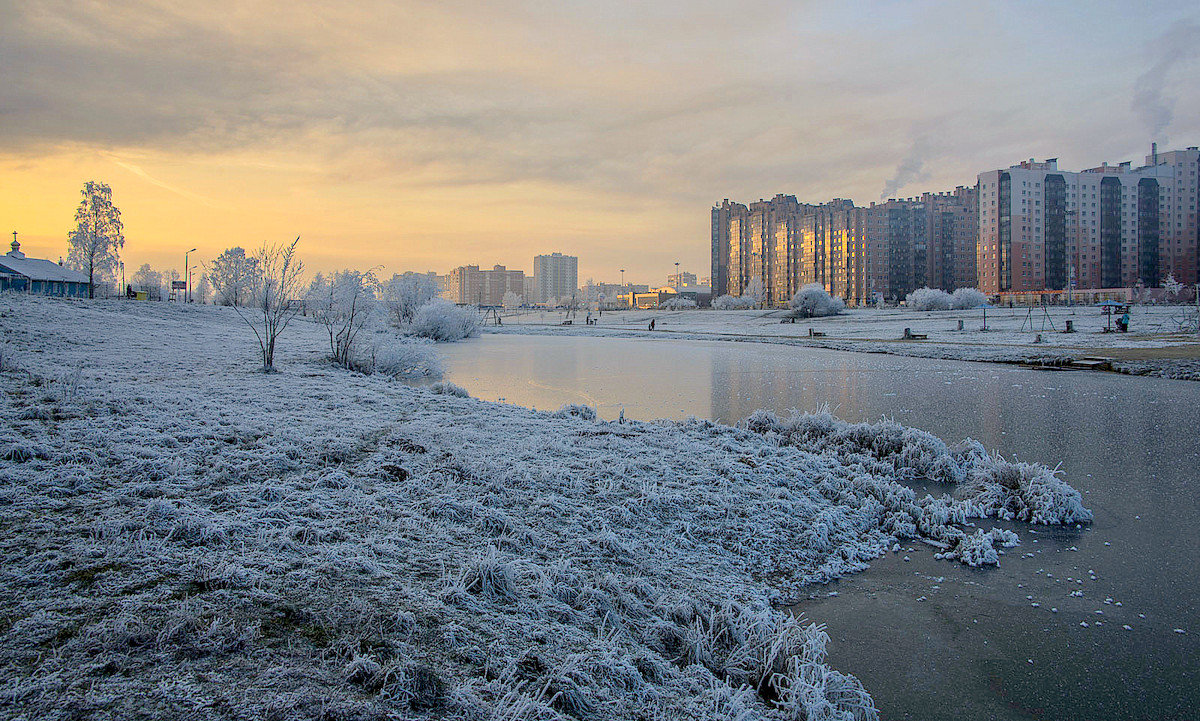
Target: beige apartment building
point(1113, 226)
point(471, 286)
point(556, 276)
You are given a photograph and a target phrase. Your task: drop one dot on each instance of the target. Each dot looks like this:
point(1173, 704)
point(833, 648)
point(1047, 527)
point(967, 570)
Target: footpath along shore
point(1154, 346)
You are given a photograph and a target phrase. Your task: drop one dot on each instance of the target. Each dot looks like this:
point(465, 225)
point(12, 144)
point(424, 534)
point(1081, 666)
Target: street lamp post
point(623, 289)
point(187, 282)
point(678, 278)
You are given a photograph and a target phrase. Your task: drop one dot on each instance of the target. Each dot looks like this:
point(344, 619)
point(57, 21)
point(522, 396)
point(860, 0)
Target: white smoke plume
point(1155, 108)
point(910, 169)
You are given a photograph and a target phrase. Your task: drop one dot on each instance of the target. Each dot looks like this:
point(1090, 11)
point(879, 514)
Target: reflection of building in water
point(740, 387)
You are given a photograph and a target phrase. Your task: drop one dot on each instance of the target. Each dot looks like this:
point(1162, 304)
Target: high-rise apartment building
point(952, 232)
point(754, 247)
point(1114, 226)
point(1025, 229)
point(557, 276)
point(930, 240)
point(899, 229)
point(858, 254)
point(470, 285)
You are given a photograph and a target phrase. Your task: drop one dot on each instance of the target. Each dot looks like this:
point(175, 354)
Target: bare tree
point(201, 292)
point(96, 242)
point(274, 297)
point(344, 303)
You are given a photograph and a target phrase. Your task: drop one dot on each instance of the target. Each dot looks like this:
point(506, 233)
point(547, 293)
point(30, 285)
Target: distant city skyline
point(403, 136)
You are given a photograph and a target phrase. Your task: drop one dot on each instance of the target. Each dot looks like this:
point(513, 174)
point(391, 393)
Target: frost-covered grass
point(184, 537)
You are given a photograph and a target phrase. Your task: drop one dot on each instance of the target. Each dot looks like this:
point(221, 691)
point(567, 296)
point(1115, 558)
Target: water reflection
point(1128, 444)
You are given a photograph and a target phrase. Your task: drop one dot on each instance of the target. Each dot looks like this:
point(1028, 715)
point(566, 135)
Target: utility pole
point(187, 279)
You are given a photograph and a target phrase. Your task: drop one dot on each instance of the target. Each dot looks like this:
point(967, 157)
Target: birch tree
point(95, 243)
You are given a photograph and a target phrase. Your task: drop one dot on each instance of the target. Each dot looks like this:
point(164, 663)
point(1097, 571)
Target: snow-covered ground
point(186, 537)
point(1154, 345)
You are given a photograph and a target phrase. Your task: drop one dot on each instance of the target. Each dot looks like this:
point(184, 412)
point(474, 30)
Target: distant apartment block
point(470, 285)
point(859, 254)
point(682, 278)
point(1042, 228)
point(609, 292)
point(445, 289)
point(557, 276)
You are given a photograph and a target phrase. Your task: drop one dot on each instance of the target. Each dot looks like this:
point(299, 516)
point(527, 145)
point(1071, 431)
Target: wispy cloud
point(138, 171)
point(556, 107)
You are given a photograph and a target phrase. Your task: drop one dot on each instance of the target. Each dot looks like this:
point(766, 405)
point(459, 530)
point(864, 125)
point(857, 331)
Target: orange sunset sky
point(421, 136)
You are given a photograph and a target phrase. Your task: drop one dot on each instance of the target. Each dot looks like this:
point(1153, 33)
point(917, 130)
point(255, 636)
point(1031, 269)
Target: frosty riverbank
point(184, 535)
point(1154, 346)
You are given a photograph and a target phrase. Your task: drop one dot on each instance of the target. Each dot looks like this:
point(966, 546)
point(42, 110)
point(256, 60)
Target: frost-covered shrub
point(975, 550)
point(442, 320)
point(398, 357)
point(446, 388)
point(987, 486)
point(576, 410)
point(1023, 492)
point(733, 302)
point(778, 655)
point(967, 298)
point(678, 304)
point(405, 294)
point(928, 299)
point(813, 301)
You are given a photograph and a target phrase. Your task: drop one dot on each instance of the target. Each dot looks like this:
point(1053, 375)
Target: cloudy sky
point(427, 135)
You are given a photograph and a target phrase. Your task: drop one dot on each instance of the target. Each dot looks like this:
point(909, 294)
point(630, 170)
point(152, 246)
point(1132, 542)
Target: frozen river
point(933, 639)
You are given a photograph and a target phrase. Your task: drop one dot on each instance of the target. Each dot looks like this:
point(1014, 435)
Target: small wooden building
point(40, 277)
